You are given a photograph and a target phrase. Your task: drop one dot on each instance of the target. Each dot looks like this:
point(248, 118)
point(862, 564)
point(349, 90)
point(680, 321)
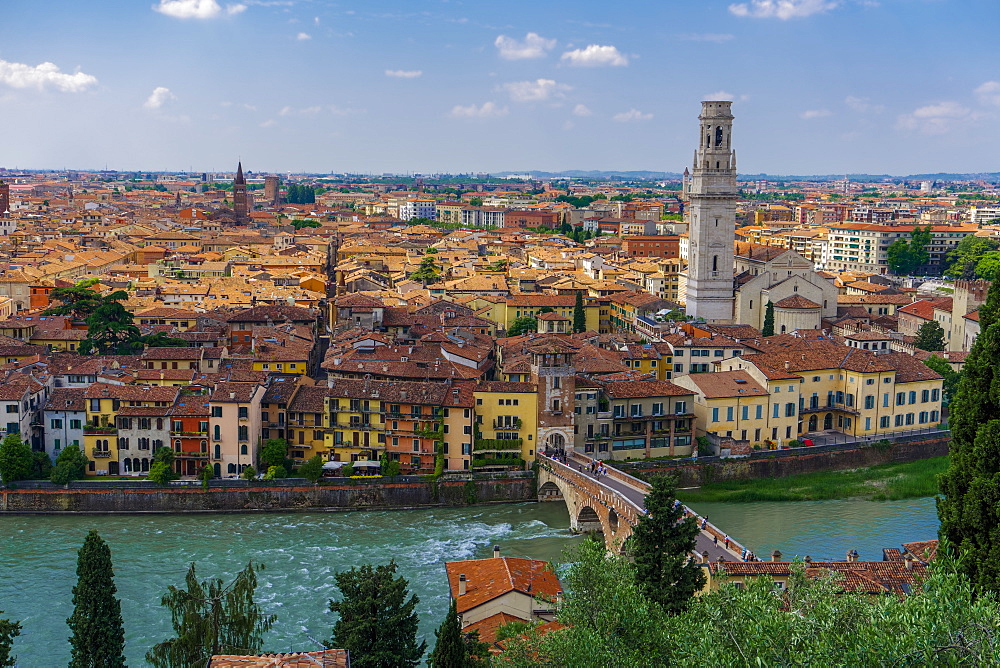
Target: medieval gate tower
point(712, 197)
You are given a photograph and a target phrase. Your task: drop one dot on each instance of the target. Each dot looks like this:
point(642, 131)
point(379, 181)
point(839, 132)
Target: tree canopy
point(16, 459)
point(78, 300)
point(908, 257)
point(376, 622)
point(963, 260)
point(97, 637)
point(71, 464)
point(523, 325)
point(930, 336)
point(768, 329)
point(210, 618)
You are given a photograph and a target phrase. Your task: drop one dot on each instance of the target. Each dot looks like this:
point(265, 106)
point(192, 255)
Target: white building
point(64, 415)
point(418, 208)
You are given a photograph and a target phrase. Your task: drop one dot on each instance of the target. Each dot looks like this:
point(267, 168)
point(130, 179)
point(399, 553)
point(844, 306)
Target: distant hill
point(648, 175)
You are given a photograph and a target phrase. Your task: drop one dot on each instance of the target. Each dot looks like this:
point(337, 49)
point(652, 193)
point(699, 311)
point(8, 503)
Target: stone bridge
point(613, 503)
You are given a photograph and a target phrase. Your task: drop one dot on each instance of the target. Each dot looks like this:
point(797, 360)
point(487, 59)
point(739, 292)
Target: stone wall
point(695, 474)
point(353, 495)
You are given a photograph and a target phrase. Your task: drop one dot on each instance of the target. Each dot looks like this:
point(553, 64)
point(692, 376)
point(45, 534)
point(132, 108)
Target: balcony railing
point(498, 444)
point(512, 425)
point(102, 454)
point(202, 434)
point(91, 429)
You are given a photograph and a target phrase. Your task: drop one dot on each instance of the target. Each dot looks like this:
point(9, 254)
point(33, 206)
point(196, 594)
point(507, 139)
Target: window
point(95, 406)
point(243, 449)
point(746, 413)
point(869, 381)
point(913, 396)
point(12, 408)
point(760, 411)
point(244, 433)
point(243, 412)
point(75, 424)
point(57, 424)
point(680, 408)
point(216, 411)
point(883, 422)
point(869, 402)
point(900, 398)
point(935, 394)
point(777, 409)
point(619, 411)
point(715, 415)
point(925, 396)
point(636, 410)
point(720, 353)
point(729, 413)
point(218, 432)
point(790, 409)
point(658, 409)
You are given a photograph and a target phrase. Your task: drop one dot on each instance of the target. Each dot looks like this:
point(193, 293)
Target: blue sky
point(819, 86)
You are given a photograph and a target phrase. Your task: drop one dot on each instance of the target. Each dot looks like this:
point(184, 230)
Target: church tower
point(712, 197)
point(4, 197)
point(240, 205)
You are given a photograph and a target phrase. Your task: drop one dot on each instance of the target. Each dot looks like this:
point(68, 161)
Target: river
point(303, 551)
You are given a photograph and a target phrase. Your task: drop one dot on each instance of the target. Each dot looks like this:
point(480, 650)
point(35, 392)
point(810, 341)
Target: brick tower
point(240, 205)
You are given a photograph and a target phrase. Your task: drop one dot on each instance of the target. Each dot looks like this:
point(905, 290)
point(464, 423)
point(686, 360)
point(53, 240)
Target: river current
point(302, 552)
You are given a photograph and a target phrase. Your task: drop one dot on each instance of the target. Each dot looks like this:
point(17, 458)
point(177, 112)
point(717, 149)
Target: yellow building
point(100, 433)
point(356, 427)
point(506, 422)
point(307, 420)
point(519, 306)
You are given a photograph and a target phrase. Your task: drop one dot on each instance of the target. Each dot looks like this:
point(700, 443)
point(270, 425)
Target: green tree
point(951, 377)
point(97, 637)
point(274, 472)
point(455, 649)
point(930, 336)
point(579, 315)
point(16, 459)
point(662, 543)
point(110, 328)
point(8, 631)
point(476, 201)
point(388, 467)
point(78, 300)
point(41, 466)
point(161, 471)
point(163, 340)
point(273, 453)
point(768, 329)
point(249, 473)
point(312, 469)
point(205, 475)
point(376, 624)
point(920, 239)
point(969, 508)
point(71, 464)
point(963, 260)
point(210, 618)
point(988, 265)
point(897, 257)
point(523, 325)
point(427, 272)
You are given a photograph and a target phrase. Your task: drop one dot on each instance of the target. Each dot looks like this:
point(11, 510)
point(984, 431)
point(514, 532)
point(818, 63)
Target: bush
point(795, 443)
point(275, 472)
point(347, 470)
point(249, 473)
point(312, 469)
point(70, 465)
point(160, 473)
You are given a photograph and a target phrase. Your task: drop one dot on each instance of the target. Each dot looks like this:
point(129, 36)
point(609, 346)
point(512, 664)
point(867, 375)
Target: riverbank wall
point(126, 496)
point(783, 463)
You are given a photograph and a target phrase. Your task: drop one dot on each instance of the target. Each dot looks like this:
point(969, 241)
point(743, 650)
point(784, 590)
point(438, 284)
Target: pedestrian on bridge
point(704, 523)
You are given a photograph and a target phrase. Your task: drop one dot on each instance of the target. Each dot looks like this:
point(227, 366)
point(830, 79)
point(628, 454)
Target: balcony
point(94, 430)
point(190, 455)
point(498, 444)
point(101, 454)
point(196, 434)
point(507, 425)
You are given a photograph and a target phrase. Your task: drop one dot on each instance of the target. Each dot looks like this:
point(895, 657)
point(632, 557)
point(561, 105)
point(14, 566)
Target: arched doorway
point(828, 421)
point(556, 441)
point(812, 422)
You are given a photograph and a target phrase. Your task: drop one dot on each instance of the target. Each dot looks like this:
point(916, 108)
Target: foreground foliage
point(811, 623)
point(377, 623)
point(211, 617)
point(8, 631)
point(97, 630)
point(970, 508)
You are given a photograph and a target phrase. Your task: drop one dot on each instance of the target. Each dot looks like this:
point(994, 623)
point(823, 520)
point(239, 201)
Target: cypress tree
point(930, 336)
point(377, 623)
point(661, 543)
point(969, 509)
point(449, 651)
point(768, 329)
point(8, 631)
point(98, 633)
point(579, 315)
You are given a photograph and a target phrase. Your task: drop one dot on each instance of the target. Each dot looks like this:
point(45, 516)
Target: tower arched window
point(715, 263)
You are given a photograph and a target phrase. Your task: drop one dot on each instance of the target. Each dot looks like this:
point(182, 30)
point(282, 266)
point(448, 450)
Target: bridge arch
point(613, 520)
point(587, 520)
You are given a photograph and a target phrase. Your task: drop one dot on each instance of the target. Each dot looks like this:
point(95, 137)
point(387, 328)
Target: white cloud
point(596, 55)
point(306, 111)
point(631, 116)
point(581, 110)
point(535, 91)
point(718, 38)
point(815, 113)
point(159, 97)
point(44, 75)
point(532, 46)
point(989, 93)
point(782, 9)
point(268, 123)
point(488, 110)
point(403, 74)
point(196, 9)
point(720, 95)
point(303, 36)
point(862, 104)
point(936, 119)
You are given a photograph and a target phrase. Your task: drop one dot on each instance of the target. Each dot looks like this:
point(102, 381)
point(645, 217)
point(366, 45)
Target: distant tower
point(272, 187)
point(553, 372)
point(712, 197)
point(4, 197)
point(240, 207)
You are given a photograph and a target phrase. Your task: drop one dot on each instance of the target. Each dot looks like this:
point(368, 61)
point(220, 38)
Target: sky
point(819, 86)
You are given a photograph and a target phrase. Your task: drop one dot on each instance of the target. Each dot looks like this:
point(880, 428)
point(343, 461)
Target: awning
point(366, 464)
point(329, 466)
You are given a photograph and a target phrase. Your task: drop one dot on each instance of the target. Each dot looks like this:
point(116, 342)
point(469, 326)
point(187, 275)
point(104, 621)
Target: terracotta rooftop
point(486, 579)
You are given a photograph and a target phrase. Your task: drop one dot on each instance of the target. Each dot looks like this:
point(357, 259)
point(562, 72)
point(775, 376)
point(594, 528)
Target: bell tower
point(712, 195)
point(240, 205)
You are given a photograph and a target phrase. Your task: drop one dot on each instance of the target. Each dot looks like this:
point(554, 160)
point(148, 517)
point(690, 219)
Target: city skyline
point(819, 86)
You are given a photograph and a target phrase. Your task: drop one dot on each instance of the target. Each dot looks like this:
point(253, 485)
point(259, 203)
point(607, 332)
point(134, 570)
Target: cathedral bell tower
point(241, 207)
point(712, 195)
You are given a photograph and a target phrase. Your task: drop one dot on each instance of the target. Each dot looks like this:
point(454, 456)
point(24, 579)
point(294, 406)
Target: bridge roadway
point(710, 539)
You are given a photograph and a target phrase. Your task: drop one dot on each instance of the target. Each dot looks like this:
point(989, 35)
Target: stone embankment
point(127, 496)
point(782, 463)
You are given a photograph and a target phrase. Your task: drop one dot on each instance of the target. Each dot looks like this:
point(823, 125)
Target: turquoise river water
point(303, 551)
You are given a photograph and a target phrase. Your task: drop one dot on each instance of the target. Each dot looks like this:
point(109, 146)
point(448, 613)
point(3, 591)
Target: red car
point(807, 441)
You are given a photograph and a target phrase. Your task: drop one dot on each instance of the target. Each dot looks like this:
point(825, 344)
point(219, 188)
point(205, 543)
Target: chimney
point(704, 557)
point(908, 562)
point(776, 555)
point(808, 560)
point(496, 551)
point(461, 585)
point(788, 364)
point(232, 395)
point(850, 556)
